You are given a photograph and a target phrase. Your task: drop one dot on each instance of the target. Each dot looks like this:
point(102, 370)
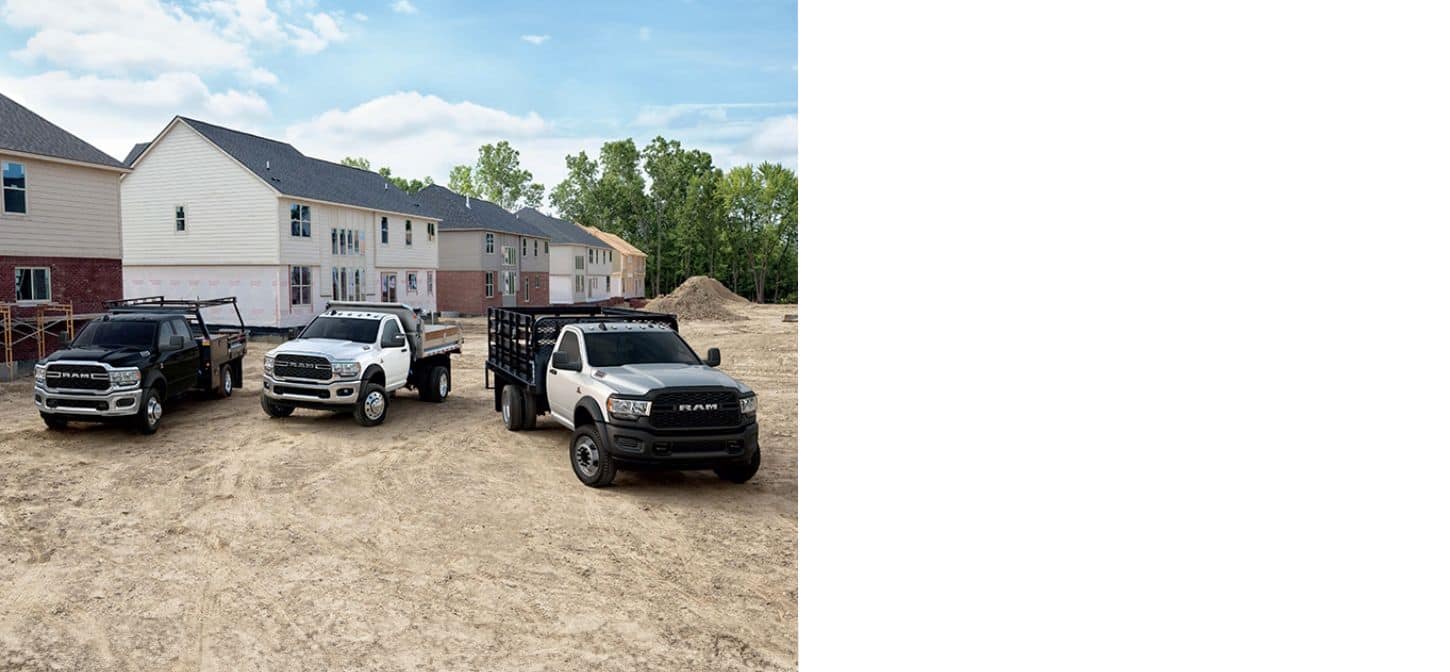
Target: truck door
point(564, 387)
point(178, 364)
point(396, 361)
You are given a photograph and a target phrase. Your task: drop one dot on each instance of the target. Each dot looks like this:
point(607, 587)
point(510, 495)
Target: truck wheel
point(592, 464)
point(148, 417)
point(274, 409)
point(436, 384)
point(228, 382)
point(54, 421)
point(531, 411)
point(372, 406)
point(513, 408)
point(236, 374)
point(740, 473)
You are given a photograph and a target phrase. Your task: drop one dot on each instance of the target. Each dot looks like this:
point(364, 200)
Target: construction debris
point(699, 298)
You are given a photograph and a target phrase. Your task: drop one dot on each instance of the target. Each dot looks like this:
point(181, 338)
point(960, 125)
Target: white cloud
point(645, 33)
point(534, 39)
point(359, 16)
point(776, 136)
point(404, 7)
point(114, 113)
point(667, 115)
point(324, 31)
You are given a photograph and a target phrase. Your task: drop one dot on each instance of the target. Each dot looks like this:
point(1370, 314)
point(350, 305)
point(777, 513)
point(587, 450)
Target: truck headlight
point(628, 409)
point(267, 363)
point(40, 375)
point(126, 377)
point(346, 369)
point(747, 405)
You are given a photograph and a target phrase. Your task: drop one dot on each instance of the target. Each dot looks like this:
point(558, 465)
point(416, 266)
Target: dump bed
point(427, 339)
point(520, 339)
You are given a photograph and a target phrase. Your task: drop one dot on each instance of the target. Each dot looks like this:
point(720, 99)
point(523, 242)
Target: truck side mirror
point(567, 362)
point(712, 357)
point(396, 341)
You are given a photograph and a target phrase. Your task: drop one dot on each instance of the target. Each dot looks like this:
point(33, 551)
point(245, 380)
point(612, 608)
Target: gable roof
point(292, 173)
point(461, 212)
point(26, 132)
point(619, 244)
point(135, 152)
point(559, 231)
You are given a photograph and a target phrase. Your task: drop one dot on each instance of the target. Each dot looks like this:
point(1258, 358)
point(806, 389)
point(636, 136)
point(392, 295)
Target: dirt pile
point(699, 298)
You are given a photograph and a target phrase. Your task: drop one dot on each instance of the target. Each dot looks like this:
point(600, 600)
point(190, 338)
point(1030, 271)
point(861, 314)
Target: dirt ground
point(438, 541)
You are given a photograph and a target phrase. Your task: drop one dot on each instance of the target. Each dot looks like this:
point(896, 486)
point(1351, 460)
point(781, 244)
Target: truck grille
point(302, 366)
point(77, 377)
point(678, 410)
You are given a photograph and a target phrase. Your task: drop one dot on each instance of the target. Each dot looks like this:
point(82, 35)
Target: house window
point(607, 278)
point(412, 282)
point(388, 287)
point(591, 255)
point(384, 237)
point(488, 243)
point(301, 220)
point(408, 232)
point(430, 283)
point(510, 283)
point(181, 218)
point(579, 283)
point(488, 285)
point(32, 285)
point(510, 256)
point(334, 241)
point(14, 188)
point(336, 291)
point(301, 285)
point(357, 284)
point(536, 247)
point(579, 262)
point(431, 231)
point(546, 247)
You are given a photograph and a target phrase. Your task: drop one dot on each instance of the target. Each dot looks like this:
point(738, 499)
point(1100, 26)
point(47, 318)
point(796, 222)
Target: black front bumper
point(681, 450)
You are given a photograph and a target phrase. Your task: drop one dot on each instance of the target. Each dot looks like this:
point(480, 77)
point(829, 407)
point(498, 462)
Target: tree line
point(739, 226)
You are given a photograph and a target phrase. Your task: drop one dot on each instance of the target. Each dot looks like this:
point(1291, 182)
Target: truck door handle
point(553, 372)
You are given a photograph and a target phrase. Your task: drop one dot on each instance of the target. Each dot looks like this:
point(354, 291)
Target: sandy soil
point(438, 541)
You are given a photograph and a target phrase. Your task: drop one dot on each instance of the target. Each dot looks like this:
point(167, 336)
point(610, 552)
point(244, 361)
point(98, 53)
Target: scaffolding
point(47, 319)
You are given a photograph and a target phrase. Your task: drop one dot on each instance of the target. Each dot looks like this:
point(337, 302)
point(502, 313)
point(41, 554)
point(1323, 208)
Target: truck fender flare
point(374, 370)
point(588, 405)
point(151, 378)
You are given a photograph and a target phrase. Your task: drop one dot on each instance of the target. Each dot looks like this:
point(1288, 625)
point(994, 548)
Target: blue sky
point(415, 84)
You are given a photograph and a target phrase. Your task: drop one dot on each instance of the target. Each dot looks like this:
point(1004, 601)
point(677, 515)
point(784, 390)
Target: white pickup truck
point(354, 356)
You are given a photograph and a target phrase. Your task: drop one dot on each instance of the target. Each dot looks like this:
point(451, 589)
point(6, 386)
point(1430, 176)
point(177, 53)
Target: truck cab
point(127, 364)
point(353, 357)
point(633, 392)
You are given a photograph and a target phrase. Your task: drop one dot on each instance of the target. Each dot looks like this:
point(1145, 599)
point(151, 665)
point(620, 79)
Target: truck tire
point(229, 382)
point(371, 408)
point(274, 409)
point(740, 473)
point(236, 374)
point(148, 414)
point(591, 462)
point(54, 421)
point(436, 383)
point(513, 408)
point(531, 411)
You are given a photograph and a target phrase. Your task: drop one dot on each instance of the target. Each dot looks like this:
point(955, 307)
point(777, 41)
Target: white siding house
point(579, 263)
point(208, 212)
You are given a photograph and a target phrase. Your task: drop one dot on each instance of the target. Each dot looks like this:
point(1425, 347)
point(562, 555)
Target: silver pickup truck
point(354, 356)
point(633, 392)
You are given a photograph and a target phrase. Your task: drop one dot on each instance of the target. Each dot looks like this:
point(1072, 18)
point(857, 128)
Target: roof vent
point(467, 202)
point(385, 185)
point(269, 164)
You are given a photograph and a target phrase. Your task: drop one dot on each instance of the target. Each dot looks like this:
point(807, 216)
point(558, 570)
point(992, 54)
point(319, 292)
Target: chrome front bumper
point(114, 403)
point(338, 392)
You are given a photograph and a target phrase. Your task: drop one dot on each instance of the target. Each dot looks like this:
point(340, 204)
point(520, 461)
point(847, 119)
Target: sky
point(415, 85)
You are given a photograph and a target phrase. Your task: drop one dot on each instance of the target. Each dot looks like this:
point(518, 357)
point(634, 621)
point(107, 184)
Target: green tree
point(574, 198)
point(497, 177)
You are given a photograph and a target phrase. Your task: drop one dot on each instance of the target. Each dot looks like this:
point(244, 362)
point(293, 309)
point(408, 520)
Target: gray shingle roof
point(24, 131)
point(295, 174)
point(459, 212)
point(560, 232)
point(135, 152)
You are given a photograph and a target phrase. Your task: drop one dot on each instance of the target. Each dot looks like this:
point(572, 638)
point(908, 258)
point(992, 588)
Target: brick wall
point(538, 296)
point(460, 291)
point(85, 282)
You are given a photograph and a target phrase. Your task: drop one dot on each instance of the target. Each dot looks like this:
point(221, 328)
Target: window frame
point(179, 218)
point(407, 233)
point(299, 280)
point(49, 285)
point(504, 254)
point(488, 284)
point(410, 281)
point(23, 190)
point(432, 231)
point(300, 217)
point(488, 243)
point(383, 234)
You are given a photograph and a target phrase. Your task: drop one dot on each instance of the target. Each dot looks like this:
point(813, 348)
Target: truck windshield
point(353, 329)
point(116, 335)
point(649, 347)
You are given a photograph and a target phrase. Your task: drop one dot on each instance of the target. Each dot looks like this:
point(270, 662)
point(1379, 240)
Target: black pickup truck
point(124, 365)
